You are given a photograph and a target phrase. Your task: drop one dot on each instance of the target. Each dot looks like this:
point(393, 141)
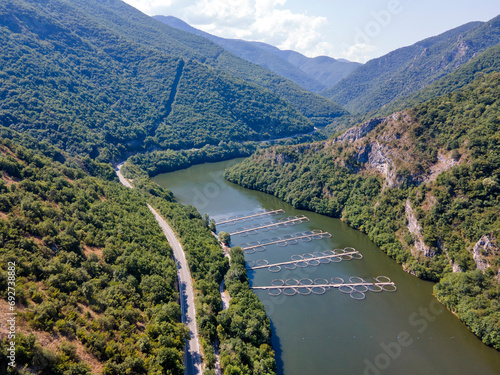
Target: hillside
point(313, 74)
point(484, 63)
point(407, 70)
point(95, 280)
point(80, 76)
point(422, 183)
point(138, 28)
point(94, 274)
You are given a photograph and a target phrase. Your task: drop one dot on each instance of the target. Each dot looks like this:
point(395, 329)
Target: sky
point(356, 30)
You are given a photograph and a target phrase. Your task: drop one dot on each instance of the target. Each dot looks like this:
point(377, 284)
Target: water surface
point(406, 332)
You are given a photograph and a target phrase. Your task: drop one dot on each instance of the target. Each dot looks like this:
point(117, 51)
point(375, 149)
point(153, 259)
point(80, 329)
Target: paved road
point(122, 179)
point(192, 358)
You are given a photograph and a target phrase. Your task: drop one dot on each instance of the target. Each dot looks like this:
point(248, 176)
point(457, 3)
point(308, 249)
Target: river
point(405, 332)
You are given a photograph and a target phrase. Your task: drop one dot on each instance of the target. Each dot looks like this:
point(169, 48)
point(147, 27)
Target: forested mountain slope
point(484, 63)
point(407, 70)
point(313, 74)
point(95, 279)
point(423, 183)
point(84, 76)
point(144, 30)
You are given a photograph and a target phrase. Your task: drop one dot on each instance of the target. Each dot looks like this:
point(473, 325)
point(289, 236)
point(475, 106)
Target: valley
point(131, 147)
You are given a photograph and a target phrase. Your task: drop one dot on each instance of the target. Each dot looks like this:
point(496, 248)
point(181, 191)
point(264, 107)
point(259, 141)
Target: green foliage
point(142, 29)
point(303, 176)
point(156, 162)
point(72, 74)
point(244, 328)
point(225, 237)
point(474, 297)
point(30, 354)
point(455, 210)
point(91, 264)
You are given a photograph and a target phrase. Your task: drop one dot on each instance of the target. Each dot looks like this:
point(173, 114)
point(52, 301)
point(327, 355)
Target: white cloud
point(359, 52)
point(267, 21)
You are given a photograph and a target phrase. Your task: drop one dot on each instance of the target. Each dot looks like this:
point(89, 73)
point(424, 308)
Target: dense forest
point(95, 275)
point(438, 162)
point(138, 28)
point(89, 91)
point(71, 74)
point(156, 162)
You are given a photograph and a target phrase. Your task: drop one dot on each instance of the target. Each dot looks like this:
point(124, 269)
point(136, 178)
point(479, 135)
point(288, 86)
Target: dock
point(279, 224)
point(306, 260)
point(232, 220)
point(286, 240)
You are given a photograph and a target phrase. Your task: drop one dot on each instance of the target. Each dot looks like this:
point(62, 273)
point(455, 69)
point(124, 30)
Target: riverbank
point(150, 164)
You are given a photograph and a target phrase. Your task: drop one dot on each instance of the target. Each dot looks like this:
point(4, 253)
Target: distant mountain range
point(83, 82)
point(408, 70)
point(383, 84)
point(313, 74)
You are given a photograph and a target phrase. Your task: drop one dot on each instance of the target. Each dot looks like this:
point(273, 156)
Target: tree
point(225, 238)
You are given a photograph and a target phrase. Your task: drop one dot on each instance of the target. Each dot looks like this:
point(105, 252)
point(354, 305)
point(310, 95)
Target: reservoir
point(403, 332)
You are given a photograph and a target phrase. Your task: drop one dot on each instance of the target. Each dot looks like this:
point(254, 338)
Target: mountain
point(407, 70)
point(423, 183)
point(313, 74)
point(102, 79)
point(136, 27)
point(484, 63)
point(93, 271)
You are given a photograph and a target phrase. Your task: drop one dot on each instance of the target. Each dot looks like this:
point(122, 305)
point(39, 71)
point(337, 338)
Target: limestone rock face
point(416, 230)
point(358, 132)
point(484, 249)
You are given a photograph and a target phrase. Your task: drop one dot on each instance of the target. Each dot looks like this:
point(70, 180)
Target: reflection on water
point(406, 332)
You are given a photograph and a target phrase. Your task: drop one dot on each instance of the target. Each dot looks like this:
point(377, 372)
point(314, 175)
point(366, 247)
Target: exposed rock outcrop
point(358, 132)
point(444, 163)
point(483, 249)
point(377, 157)
point(416, 230)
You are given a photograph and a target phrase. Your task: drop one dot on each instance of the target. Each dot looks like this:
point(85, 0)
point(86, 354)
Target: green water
point(407, 332)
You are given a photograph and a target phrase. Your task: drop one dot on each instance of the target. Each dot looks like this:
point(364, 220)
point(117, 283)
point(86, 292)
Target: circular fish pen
point(356, 287)
point(307, 259)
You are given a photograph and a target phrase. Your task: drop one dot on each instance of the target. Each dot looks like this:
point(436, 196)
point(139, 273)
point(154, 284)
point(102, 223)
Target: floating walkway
point(287, 239)
point(307, 259)
point(356, 287)
point(234, 219)
point(292, 220)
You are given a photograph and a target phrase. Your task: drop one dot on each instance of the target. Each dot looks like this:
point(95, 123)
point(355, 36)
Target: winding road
point(192, 358)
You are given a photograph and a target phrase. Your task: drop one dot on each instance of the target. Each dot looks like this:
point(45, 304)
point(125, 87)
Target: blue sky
point(357, 30)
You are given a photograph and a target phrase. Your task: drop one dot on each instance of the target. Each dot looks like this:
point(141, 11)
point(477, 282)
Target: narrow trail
point(192, 358)
point(226, 298)
point(171, 98)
